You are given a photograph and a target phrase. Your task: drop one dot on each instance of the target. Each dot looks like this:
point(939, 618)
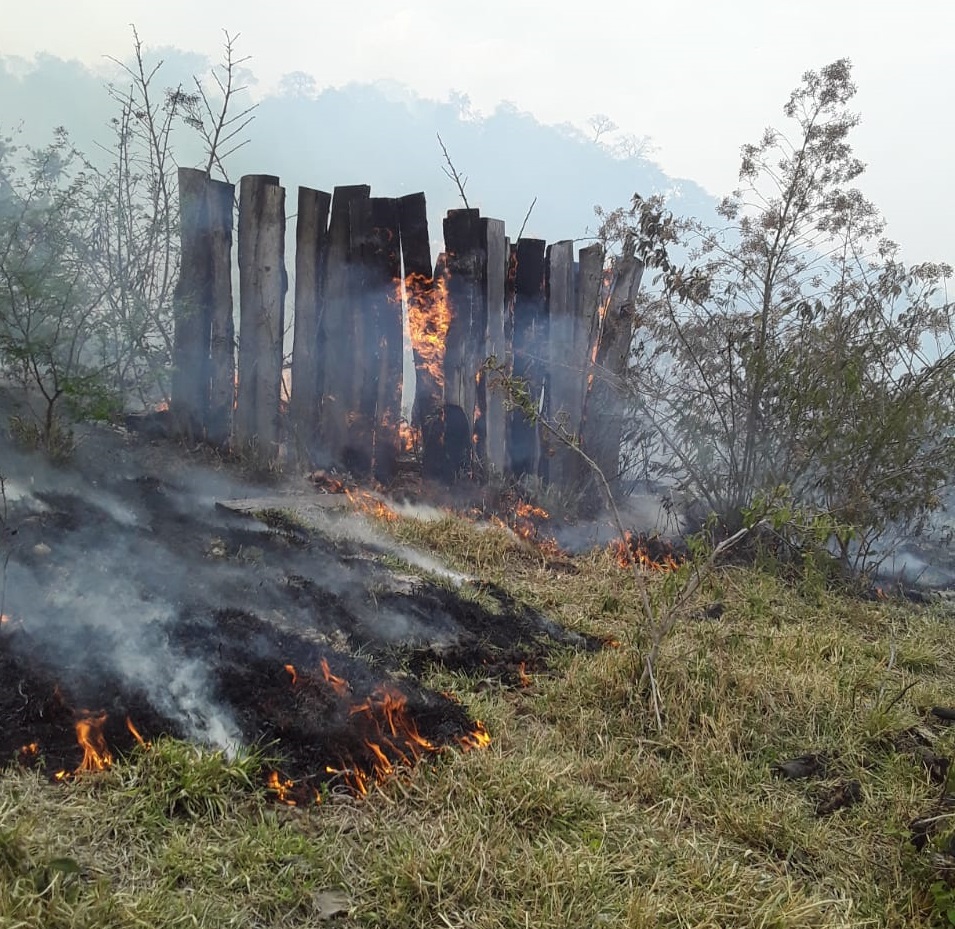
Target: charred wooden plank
point(337, 332)
point(372, 443)
point(262, 286)
point(563, 405)
point(529, 345)
point(606, 407)
point(311, 236)
point(466, 258)
point(191, 307)
point(492, 438)
point(221, 199)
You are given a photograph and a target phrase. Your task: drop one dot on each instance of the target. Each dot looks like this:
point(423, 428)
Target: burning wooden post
point(564, 406)
point(373, 444)
point(337, 332)
point(605, 408)
point(262, 286)
point(466, 260)
point(492, 434)
point(311, 236)
point(427, 322)
point(203, 346)
point(529, 343)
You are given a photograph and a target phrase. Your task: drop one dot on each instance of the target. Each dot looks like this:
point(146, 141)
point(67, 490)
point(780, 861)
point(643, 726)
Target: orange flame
point(529, 511)
point(523, 677)
point(648, 552)
point(371, 505)
point(409, 437)
point(429, 316)
point(326, 483)
point(478, 738)
point(338, 684)
point(134, 732)
point(293, 673)
point(281, 787)
point(89, 733)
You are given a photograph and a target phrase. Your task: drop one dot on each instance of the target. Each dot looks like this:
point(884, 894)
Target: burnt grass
point(128, 592)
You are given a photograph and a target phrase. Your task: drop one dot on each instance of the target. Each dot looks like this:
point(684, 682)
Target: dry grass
point(579, 814)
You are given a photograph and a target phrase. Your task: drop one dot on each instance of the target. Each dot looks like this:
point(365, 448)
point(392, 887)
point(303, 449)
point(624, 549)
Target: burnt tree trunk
point(372, 445)
point(337, 333)
point(262, 285)
point(424, 324)
point(221, 197)
point(466, 259)
point(492, 438)
point(606, 407)
point(530, 342)
point(311, 232)
point(563, 401)
point(192, 308)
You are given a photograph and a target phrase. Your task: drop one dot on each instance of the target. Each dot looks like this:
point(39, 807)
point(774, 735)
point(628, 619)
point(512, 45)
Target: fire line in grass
point(386, 729)
point(381, 721)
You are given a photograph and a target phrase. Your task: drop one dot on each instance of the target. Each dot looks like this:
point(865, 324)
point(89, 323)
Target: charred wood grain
point(588, 300)
point(466, 258)
point(530, 341)
point(221, 200)
point(192, 307)
point(372, 443)
point(563, 404)
point(311, 237)
point(338, 338)
point(263, 283)
point(606, 404)
point(492, 427)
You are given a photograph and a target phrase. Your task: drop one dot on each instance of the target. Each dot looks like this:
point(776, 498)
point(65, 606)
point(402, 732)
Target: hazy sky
point(700, 77)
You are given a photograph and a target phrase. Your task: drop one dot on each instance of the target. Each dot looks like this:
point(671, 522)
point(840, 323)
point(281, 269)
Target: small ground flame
point(338, 684)
point(649, 552)
point(479, 737)
point(134, 732)
point(370, 504)
point(281, 786)
point(89, 733)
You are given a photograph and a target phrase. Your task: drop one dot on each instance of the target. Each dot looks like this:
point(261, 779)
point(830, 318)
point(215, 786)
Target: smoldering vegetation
point(129, 589)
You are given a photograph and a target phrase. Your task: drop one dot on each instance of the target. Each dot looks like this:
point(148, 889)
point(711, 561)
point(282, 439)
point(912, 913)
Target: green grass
point(581, 812)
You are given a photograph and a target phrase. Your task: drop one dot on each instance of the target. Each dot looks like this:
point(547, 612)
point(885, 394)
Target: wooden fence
point(367, 293)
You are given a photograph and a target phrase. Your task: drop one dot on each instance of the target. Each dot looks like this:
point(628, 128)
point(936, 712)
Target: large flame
point(429, 316)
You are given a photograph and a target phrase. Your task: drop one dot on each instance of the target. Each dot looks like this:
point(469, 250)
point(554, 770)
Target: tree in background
point(792, 357)
point(89, 252)
point(51, 309)
point(138, 260)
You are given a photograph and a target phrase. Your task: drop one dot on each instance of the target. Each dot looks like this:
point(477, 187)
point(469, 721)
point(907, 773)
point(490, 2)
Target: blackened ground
point(129, 592)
